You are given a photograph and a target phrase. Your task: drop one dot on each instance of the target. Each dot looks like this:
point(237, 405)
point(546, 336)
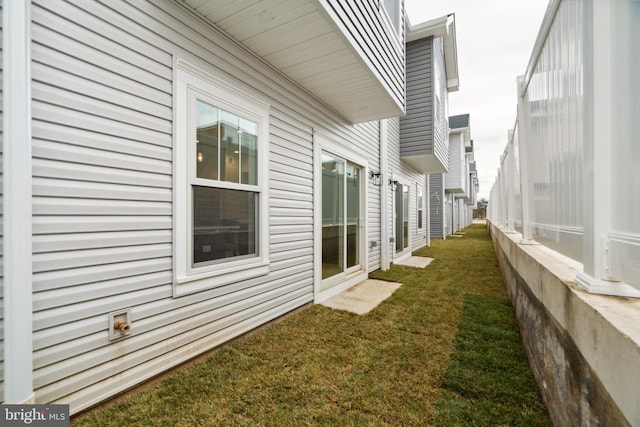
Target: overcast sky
point(495, 39)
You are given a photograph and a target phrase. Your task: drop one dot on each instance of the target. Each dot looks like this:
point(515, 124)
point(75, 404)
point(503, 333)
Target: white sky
point(495, 39)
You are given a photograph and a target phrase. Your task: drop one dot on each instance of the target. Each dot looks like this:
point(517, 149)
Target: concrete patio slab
point(363, 297)
point(416, 261)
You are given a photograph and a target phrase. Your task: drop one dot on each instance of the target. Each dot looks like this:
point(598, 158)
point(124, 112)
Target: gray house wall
point(102, 195)
point(441, 108)
point(424, 129)
point(417, 126)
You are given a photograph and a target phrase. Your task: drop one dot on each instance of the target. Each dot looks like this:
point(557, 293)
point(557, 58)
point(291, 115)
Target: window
point(401, 214)
point(221, 139)
point(419, 209)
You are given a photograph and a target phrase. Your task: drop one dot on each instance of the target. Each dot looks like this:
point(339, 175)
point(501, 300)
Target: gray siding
point(424, 130)
point(436, 205)
point(416, 135)
point(1, 228)
point(102, 195)
point(373, 38)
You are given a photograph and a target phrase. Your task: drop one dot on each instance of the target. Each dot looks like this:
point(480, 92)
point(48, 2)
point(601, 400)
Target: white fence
point(567, 177)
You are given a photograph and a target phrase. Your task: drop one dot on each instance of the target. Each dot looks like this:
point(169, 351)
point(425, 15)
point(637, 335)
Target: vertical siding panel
point(371, 134)
point(103, 242)
point(1, 228)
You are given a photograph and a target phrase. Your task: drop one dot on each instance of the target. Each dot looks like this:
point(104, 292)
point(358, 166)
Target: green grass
point(444, 349)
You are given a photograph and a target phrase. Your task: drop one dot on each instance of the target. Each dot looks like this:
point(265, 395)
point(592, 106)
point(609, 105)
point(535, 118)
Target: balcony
point(432, 72)
point(347, 54)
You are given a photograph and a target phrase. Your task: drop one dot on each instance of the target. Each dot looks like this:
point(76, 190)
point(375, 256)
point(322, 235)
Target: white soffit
point(299, 39)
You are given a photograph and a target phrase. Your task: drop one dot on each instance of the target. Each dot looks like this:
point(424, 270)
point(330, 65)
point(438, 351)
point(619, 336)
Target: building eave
point(308, 42)
point(444, 27)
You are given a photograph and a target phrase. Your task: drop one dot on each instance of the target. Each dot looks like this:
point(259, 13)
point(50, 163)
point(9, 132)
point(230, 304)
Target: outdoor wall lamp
point(393, 184)
point(376, 178)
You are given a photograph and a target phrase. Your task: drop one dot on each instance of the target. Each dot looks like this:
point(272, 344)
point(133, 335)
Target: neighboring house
point(190, 170)
point(432, 72)
point(456, 180)
point(474, 187)
point(470, 199)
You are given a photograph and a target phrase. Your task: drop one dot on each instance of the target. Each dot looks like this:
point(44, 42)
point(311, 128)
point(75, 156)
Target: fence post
point(524, 141)
point(599, 109)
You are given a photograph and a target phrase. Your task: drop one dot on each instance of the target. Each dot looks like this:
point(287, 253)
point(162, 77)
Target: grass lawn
point(444, 350)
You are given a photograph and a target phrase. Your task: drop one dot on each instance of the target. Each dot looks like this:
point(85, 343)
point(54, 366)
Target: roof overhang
point(308, 44)
point(444, 27)
point(426, 163)
point(465, 133)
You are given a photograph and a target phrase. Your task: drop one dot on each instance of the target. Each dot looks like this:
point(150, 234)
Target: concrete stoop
point(415, 261)
point(363, 297)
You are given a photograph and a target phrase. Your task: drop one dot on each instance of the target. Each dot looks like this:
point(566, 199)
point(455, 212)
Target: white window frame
point(406, 252)
point(420, 210)
point(191, 82)
point(324, 289)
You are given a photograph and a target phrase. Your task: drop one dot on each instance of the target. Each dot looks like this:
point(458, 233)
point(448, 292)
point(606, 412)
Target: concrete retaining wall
point(584, 349)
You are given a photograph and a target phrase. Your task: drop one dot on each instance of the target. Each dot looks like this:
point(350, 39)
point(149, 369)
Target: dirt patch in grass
point(411, 361)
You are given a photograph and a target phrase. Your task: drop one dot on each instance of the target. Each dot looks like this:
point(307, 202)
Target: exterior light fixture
point(393, 184)
point(376, 178)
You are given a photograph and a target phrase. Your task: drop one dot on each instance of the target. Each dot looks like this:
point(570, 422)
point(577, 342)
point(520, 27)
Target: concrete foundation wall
point(584, 349)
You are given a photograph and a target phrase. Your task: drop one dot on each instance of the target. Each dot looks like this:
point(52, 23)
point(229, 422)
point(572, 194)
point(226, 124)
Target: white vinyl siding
point(103, 197)
point(405, 175)
point(1, 227)
point(456, 176)
point(378, 44)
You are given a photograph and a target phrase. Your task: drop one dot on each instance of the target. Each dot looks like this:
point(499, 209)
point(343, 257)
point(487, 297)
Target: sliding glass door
point(401, 212)
point(341, 209)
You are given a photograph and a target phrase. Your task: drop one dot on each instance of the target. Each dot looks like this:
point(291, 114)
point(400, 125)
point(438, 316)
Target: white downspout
point(16, 203)
point(384, 194)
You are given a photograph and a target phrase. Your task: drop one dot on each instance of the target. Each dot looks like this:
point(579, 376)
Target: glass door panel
point(353, 215)
point(399, 219)
point(341, 210)
point(332, 216)
point(405, 216)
